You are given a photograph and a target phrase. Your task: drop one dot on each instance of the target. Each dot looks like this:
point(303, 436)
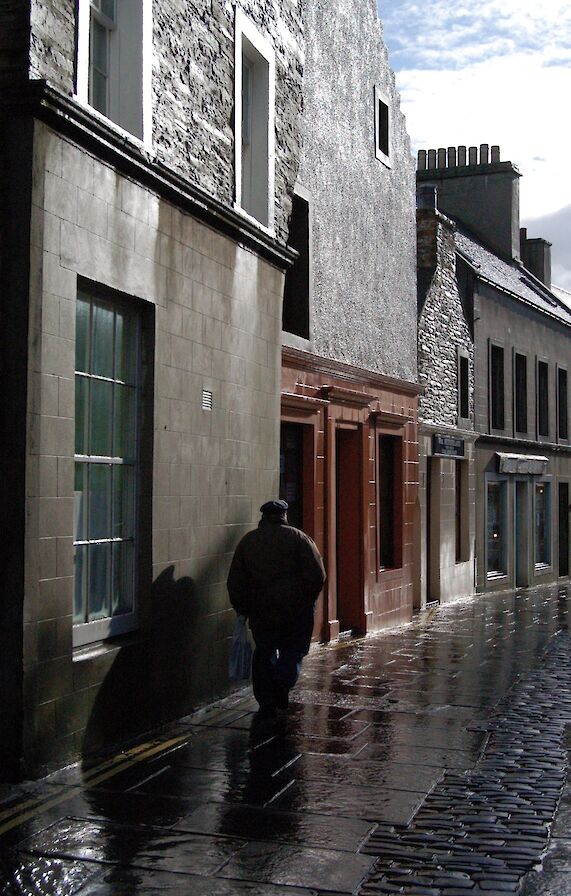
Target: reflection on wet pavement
point(381, 737)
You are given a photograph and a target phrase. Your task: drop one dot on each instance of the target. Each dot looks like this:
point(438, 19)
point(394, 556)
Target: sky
point(496, 72)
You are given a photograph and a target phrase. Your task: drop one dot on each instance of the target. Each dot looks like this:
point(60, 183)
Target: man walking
point(275, 579)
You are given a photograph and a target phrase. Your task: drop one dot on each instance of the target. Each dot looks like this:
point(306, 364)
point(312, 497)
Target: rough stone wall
point(193, 92)
point(193, 85)
point(442, 327)
point(52, 42)
point(364, 265)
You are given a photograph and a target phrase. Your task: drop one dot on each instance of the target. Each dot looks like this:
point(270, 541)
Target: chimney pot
point(473, 155)
point(426, 196)
point(422, 160)
point(452, 157)
point(484, 154)
point(461, 155)
point(495, 153)
point(431, 158)
point(442, 158)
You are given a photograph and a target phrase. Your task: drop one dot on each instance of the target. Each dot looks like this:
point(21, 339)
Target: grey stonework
point(192, 83)
point(363, 212)
point(442, 326)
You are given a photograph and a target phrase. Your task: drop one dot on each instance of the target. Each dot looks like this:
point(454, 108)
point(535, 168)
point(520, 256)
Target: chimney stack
point(536, 257)
point(477, 189)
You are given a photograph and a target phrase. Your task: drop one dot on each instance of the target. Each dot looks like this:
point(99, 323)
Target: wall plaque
point(448, 446)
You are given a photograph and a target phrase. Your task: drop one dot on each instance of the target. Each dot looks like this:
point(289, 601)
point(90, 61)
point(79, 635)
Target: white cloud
point(496, 72)
point(513, 101)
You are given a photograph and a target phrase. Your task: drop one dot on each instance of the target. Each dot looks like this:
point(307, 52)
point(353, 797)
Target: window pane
point(99, 46)
point(81, 414)
point(101, 418)
point(107, 7)
point(80, 504)
point(82, 335)
point(99, 501)
point(496, 527)
point(103, 325)
point(125, 347)
point(542, 527)
point(125, 432)
point(99, 581)
point(80, 584)
point(123, 578)
point(123, 502)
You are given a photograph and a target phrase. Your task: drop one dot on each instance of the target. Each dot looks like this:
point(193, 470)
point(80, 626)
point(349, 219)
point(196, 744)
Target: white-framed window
point(114, 45)
point(562, 405)
point(542, 528)
point(542, 398)
point(107, 401)
point(383, 127)
point(496, 386)
point(254, 131)
point(496, 527)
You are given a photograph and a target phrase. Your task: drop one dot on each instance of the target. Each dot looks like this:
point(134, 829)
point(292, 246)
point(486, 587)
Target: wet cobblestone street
point(429, 761)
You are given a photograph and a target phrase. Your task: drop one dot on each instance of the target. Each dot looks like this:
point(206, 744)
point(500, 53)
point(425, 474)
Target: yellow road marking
point(96, 775)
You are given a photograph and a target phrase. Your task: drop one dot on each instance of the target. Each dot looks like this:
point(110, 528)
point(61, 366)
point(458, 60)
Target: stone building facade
point(349, 451)
point(522, 353)
point(142, 259)
point(446, 524)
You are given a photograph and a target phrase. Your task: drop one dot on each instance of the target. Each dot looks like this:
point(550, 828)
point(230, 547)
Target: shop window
point(496, 523)
point(496, 387)
point(520, 396)
point(382, 128)
point(461, 511)
point(562, 405)
point(254, 116)
point(463, 385)
point(390, 501)
point(295, 317)
point(107, 398)
point(542, 524)
point(114, 61)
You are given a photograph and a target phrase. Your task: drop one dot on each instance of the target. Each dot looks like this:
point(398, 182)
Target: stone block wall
point(364, 264)
point(211, 313)
point(442, 326)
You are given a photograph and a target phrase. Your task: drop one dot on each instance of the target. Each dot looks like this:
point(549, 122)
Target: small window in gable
point(254, 115)
point(382, 128)
point(113, 61)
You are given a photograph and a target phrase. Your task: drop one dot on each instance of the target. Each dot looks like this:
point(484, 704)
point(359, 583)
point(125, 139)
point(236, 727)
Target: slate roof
point(511, 278)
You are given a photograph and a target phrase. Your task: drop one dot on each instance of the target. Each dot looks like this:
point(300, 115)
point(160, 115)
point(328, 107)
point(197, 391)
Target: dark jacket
point(275, 575)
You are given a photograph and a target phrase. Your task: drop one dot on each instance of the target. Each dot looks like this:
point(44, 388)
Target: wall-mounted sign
point(448, 446)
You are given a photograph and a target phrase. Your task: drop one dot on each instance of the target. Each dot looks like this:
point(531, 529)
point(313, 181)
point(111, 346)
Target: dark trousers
point(277, 659)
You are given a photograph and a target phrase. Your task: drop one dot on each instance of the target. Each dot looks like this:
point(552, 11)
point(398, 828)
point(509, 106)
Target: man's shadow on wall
point(146, 675)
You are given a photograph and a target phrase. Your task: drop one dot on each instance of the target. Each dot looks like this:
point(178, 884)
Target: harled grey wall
point(364, 238)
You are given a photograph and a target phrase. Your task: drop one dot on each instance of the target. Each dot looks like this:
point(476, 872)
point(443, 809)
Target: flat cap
point(274, 507)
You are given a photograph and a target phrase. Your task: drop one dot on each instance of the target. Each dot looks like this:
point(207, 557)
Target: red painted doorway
point(349, 529)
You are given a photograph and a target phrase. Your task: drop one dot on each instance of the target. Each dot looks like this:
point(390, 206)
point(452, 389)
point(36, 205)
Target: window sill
point(265, 228)
point(88, 652)
point(139, 142)
point(496, 576)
